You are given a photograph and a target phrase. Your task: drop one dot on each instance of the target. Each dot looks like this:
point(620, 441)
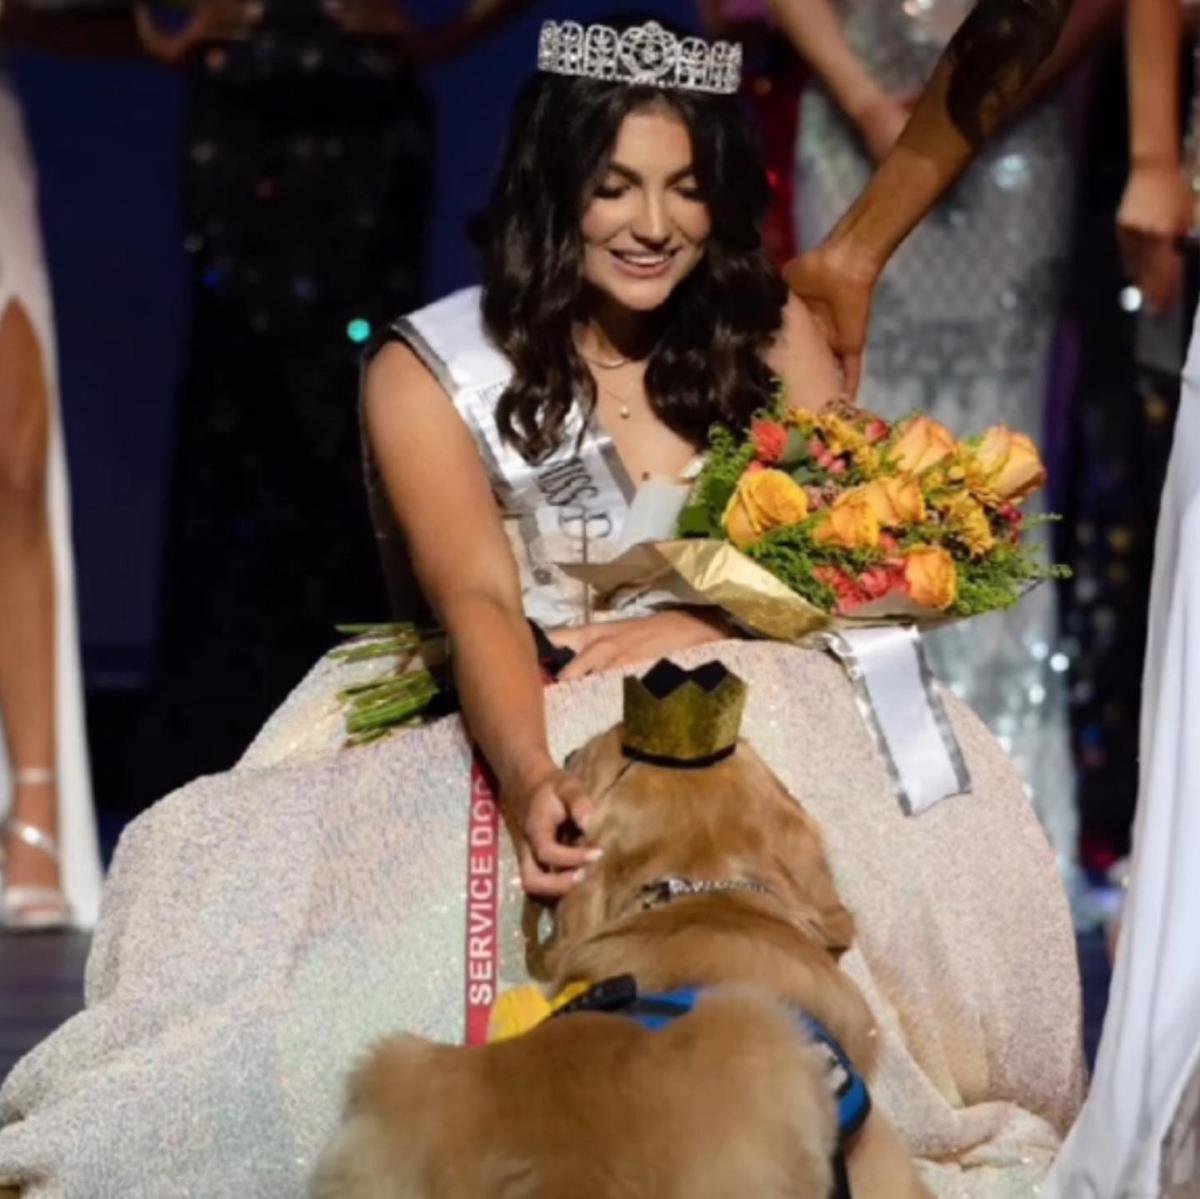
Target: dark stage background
point(111, 142)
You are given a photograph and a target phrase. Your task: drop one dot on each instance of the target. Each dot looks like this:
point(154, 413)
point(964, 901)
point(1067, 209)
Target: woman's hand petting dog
point(551, 817)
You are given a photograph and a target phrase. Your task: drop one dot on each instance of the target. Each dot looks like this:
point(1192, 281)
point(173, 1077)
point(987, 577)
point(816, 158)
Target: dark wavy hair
point(706, 364)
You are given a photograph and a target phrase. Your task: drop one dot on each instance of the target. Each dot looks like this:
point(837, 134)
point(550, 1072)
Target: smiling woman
point(263, 927)
point(646, 222)
point(622, 245)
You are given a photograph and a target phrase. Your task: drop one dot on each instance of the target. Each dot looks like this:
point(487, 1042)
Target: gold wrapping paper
point(706, 571)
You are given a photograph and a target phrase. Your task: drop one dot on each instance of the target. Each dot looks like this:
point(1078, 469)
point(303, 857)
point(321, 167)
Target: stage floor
point(41, 984)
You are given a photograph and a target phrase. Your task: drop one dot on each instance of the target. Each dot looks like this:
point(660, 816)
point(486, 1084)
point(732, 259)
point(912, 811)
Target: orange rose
point(851, 523)
point(897, 500)
point(930, 577)
point(966, 519)
point(1005, 466)
point(764, 500)
point(922, 444)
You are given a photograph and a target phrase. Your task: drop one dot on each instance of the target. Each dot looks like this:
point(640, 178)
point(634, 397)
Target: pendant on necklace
point(624, 411)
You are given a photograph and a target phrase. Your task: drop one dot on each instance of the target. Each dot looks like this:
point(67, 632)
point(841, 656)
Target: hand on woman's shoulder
point(801, 357)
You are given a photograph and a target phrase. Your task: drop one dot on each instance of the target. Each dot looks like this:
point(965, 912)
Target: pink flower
point(836, 467)
point(849, 594)
point(770, 440)
point(877, 431)
point(881, 580)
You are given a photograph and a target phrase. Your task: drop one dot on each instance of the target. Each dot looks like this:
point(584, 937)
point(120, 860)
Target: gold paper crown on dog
point(677, 717)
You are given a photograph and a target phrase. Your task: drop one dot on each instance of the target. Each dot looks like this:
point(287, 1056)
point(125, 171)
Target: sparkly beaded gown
point(961, 327)
point(263, 926)
point(307, 179)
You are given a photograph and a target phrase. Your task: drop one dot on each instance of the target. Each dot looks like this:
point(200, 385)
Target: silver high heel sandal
point(33, 909)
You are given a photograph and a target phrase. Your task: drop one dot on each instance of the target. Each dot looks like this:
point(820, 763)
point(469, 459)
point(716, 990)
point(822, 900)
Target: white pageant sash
point(900, 705)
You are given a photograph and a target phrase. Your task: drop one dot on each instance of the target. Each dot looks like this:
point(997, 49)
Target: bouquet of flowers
point(807, 521)
point(859, 520)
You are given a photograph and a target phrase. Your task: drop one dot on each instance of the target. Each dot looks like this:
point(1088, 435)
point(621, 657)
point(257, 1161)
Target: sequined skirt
point(263, 927)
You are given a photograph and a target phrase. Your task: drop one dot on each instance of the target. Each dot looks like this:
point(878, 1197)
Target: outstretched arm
point(442, 501)
point(981, 79)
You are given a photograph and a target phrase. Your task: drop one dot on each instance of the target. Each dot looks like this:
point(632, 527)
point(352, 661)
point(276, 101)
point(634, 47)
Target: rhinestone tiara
point(642, 54)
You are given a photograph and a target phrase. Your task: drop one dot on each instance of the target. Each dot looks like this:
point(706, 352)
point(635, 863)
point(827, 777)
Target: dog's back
point(729, 1100)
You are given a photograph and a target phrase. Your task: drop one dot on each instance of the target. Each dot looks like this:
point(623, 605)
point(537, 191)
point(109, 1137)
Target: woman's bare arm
point(1153, 66)
point(440, 494)
point(1156, 209)
point(803, 361)
point(815, 31)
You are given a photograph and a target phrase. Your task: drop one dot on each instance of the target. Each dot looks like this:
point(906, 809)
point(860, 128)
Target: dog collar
point(662, 890)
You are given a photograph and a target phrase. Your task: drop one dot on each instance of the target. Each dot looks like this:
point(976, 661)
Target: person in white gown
point(49, 855)
point(263, 926)
point(1139, 1132)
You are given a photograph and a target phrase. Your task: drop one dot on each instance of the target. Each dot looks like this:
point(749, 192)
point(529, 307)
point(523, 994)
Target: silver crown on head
point(645, 54)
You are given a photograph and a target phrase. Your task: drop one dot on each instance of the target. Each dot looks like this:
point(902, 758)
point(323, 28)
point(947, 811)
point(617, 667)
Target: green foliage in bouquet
point(725, 463)
point(845, 509)
point(998, 580)
point(394, 700)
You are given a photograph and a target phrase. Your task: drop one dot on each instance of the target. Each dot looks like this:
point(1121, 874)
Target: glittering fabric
point(306, 189)
point(961, 327)
point(263, 926)
point(1181, 1149)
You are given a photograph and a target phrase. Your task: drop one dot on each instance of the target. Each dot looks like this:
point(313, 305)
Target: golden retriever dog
point(727, 1101)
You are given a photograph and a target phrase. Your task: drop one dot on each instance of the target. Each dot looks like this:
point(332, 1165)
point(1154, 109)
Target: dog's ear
point(832, 917)
point(805, 861)
point(598, 763)
point(837, 928)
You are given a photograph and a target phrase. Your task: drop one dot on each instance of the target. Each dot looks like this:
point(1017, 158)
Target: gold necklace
point(623, 410)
